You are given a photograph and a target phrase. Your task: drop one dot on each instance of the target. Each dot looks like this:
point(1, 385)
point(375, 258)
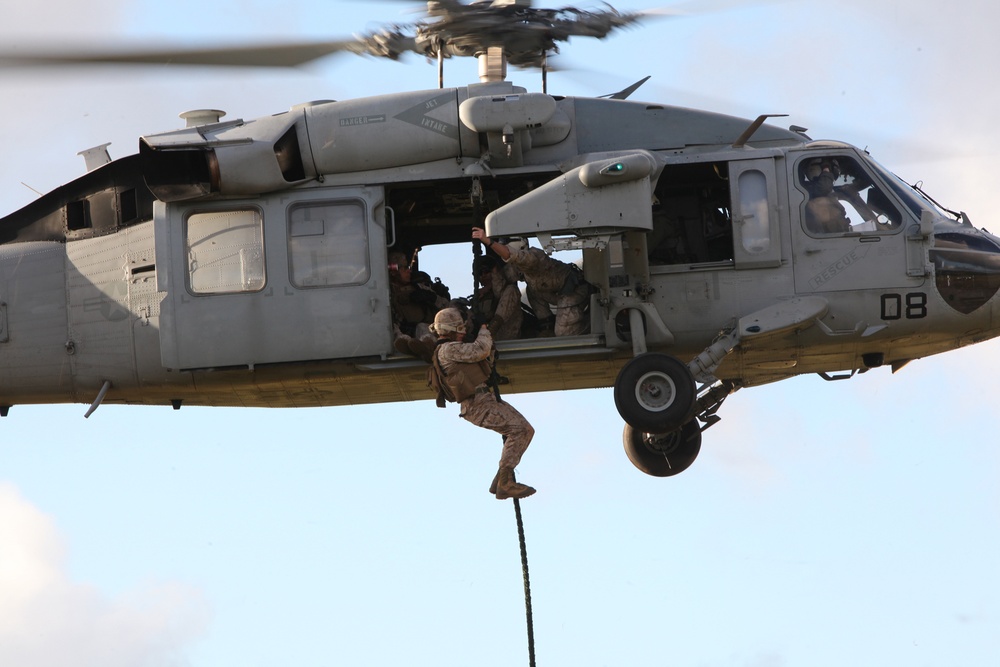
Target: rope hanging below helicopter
point(494, 384)
point(527, 582)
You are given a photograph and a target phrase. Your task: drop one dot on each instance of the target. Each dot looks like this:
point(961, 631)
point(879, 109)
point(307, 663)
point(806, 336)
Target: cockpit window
point(912, 199)
point(843, 198)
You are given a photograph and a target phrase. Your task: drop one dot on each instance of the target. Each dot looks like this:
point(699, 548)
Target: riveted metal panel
point(293, 307)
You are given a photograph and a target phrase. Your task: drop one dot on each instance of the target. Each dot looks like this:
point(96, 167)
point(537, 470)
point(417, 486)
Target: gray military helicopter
point(245, 263)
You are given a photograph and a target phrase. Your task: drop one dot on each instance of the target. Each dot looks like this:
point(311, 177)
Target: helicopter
point(698, 231)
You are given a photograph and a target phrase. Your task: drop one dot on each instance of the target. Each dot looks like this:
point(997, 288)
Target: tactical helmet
point(515, 243)
point(485, 264)
point(448, 319)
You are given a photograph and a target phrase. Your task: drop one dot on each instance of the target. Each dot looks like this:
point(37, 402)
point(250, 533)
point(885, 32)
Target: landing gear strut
point(663, 410)
point(656, 394)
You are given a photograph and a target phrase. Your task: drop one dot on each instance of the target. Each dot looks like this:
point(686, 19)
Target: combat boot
point(508, 488)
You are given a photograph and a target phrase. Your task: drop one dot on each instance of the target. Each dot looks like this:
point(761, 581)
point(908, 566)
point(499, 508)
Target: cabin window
point(225, 251)
point(328, 244)
point(843, 198)
point(755, 219)
point(692, 221)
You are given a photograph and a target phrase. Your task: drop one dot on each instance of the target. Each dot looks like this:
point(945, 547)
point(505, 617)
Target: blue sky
point(824, 523)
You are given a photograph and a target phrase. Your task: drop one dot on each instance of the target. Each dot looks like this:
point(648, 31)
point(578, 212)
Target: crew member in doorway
point(551, 285)
point(415, 300)
point(498, 301)
point(459, 373)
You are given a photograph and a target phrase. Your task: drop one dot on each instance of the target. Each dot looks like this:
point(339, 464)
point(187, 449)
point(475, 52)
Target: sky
point(824, 523)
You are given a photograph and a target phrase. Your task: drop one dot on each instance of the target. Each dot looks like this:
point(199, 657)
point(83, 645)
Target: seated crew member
point(415, 301)
point(824, 212)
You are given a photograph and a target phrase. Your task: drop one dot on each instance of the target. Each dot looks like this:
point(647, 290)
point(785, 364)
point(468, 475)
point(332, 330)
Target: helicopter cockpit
point(843, 198)
point(966, 260)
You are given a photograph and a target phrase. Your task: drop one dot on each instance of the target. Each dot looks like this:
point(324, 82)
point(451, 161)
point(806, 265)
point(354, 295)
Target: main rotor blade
point(263, 55)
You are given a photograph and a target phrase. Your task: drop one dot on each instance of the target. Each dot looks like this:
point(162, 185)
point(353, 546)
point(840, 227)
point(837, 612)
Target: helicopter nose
point(966, 267)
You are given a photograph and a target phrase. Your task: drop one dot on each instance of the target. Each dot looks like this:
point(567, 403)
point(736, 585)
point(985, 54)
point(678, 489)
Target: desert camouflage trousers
point(570, 309)
point(484, 410)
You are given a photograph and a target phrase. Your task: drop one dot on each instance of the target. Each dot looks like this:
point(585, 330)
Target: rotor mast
point(492, 64)
point(499, 33)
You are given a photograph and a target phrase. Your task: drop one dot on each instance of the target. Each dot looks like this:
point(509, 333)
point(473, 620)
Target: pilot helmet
point(448, 319)
point(816, 166)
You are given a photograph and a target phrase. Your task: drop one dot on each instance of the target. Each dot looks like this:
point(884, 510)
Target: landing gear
point(666, 454)
point(655, 393)
point(663, 409)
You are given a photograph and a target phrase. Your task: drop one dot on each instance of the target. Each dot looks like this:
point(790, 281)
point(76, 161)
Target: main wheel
point(663, 455)
point(655, 393)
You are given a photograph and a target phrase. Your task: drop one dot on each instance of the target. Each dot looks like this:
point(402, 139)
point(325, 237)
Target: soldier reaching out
point(552, 285)
point(498, 301)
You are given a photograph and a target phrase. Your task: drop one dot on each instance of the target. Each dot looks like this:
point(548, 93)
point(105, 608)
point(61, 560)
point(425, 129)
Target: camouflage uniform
point(499, 304)
point(414, 304)
point(421, 347)
point(554, 284)
point(483, 408)
point(414, 300)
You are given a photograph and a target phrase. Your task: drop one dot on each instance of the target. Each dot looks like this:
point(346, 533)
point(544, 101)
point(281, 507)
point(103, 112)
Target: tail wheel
point(655, 393)
point(666, 454)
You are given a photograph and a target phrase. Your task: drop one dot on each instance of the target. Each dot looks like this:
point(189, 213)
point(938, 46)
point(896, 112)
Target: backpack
point(460, 384)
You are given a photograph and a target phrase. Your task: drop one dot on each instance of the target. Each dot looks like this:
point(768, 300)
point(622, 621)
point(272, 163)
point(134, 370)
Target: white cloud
point(46, 619)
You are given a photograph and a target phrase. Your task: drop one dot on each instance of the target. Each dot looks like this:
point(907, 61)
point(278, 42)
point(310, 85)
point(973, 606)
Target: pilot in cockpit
point(824, 212)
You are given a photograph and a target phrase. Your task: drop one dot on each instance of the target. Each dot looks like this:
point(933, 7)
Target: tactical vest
point(460, 382)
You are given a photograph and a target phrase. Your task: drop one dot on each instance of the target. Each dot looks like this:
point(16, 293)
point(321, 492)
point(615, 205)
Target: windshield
point(913, 200)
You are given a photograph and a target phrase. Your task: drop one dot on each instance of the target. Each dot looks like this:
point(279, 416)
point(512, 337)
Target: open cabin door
point(296, 277)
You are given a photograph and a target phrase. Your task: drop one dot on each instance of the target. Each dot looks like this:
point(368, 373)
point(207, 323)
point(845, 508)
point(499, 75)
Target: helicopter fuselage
point(245, 263)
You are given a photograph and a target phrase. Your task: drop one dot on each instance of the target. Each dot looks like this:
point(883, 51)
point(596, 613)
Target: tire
point(655, 393)
point(663, 455)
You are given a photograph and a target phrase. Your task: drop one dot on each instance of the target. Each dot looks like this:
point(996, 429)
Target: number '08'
point(912, 306)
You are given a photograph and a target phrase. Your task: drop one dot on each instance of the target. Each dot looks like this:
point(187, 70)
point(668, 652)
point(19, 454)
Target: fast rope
point(527, 582)
point(477, 252)
point(495, 385)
